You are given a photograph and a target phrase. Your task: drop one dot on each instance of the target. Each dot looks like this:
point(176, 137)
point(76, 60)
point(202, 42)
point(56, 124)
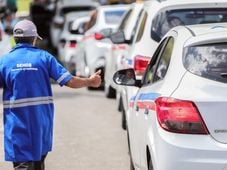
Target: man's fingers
point(98, 72)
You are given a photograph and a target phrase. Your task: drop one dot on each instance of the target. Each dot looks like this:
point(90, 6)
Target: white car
point(71, 35)
point(113, 63)
point(157, 18)
point(90, 55)
point(3, 4)
point(5, 41)
point(116, 56)
point(178, 116)
point(63, 7)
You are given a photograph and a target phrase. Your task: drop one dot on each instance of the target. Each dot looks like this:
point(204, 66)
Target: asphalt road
point(87, 133)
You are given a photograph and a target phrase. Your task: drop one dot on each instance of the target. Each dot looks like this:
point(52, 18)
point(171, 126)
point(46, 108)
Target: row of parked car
point(173, 100)
point(78, 24)
point(165, 63)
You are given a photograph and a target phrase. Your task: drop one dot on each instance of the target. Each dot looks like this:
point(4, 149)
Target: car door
point(134, 121)
point(145, 107)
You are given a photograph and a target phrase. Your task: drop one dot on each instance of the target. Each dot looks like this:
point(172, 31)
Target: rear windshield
point(66, 10)
point(208, 61)
point(166, 20)
point(113, 17)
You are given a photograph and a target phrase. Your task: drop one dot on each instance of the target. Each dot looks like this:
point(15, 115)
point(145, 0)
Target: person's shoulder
point(3, 58)
point(40, 50)
point(45, 54)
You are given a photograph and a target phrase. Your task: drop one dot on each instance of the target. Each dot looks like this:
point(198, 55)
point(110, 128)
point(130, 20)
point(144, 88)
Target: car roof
point(192, 3)
point(68, 3)
point(204, 33)
point(174, 2)
point(77, 14)
point(110, 7)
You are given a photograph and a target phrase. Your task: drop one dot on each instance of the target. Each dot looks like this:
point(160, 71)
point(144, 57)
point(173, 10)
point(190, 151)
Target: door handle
point(146, 112)
point(137, 108)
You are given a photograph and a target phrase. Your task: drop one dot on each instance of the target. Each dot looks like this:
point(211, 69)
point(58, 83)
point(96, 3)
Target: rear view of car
point(177, 118)
point(70, 36)
point(62, 8)
point(157, 18)
point(92, 51)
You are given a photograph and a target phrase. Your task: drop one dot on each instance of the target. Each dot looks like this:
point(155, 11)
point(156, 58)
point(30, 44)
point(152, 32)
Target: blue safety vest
point(28, 102)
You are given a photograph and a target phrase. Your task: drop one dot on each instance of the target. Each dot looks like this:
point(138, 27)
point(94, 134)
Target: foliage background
point(23, 5)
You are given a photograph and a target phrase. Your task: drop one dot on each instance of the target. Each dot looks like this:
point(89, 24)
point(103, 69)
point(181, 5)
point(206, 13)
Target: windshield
point(166, 20)
point(66, 10)
point(113, 17)
point(209, 61)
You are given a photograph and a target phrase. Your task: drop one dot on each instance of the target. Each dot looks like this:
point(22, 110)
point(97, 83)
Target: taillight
point(98, 36)
point(72, 44)
point(179, 116)
point(140, 64)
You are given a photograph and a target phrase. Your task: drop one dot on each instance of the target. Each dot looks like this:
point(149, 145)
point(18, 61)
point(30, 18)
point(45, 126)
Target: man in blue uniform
point(27, 98)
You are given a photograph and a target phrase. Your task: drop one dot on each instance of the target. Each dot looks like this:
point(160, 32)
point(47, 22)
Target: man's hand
point(95, 79)
point(78, 82)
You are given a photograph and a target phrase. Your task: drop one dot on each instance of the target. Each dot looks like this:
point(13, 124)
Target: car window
point(148, 75)
point(92, 20)
point(136, 25)
point(125, 20)
point(163, 63)
point(113, 17)
point(141, 27)
point(168, 19)
point(66, 10)
point(208, 61)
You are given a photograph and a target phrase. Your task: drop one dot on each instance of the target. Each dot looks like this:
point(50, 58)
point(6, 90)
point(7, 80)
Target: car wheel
point(129, 151)
point(92, 88)
point(150, 165)
point(123, 120)
point(110, 92)
point(120, 105)
point(131, 165)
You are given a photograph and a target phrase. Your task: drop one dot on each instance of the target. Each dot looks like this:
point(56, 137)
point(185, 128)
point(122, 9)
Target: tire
point(123, 120)
point(110, 92)
point(120, 105)
point(150, 165)
point(131, 165)
point(92, 88)
point(129, 152)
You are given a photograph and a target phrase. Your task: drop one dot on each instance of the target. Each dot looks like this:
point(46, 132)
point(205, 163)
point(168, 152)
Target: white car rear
point(71, 35)
point(177, 119)
point(160, 16)
point(62, 8)
point(118, 52)
point(91, 53)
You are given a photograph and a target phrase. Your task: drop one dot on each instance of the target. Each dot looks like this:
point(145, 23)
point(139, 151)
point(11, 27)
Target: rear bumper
point(179, 151)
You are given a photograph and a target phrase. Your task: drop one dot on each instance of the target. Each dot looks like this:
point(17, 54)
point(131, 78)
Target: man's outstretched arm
point(93, 81)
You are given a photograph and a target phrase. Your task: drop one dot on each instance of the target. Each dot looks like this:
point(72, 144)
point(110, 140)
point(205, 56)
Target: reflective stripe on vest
point(27, 102)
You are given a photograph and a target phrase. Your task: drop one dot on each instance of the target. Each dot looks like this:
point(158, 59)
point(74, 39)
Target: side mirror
point(118, 37)
point(155, 36)
point(125, 77)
